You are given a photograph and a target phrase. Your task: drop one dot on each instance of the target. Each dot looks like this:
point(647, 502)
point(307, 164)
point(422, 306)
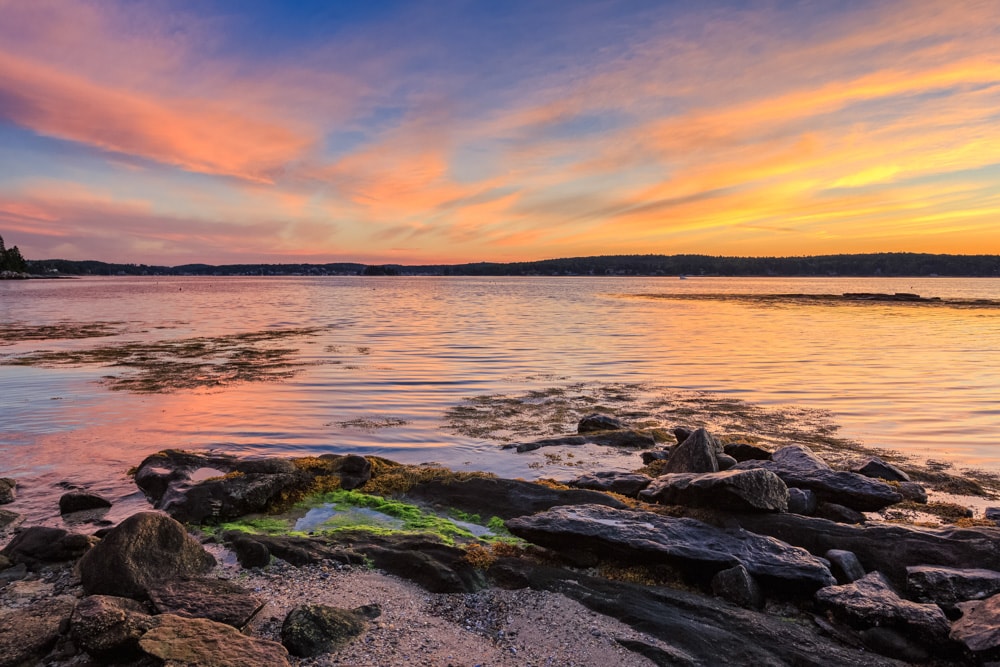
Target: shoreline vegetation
point(904, 298)
point(900, 264)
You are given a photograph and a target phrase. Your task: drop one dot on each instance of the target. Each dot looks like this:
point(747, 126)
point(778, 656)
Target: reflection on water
point(393, 354)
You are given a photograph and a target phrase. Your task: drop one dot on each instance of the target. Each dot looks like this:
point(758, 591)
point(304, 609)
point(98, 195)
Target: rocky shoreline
point(710, 554)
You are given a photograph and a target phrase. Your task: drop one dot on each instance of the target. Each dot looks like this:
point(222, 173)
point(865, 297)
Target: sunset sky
point(171, 132)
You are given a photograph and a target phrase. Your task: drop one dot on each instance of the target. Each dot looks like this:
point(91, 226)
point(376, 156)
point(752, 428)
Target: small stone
point(725, 461)
point(845, 565)
point(839, 513)
point(879, 469)
point(802, 501)
point(739, 587)
point(913, 492)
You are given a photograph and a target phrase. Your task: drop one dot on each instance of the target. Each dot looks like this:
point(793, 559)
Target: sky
point(445, 131)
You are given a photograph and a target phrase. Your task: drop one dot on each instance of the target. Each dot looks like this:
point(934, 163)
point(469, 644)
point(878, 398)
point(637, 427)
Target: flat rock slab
point(872, 602)
point(737, 490)
point(27, 634)
point(949, 585)
point(214, 599)
point(621, 438)
point(179, 642)
point(979, 628)
point(644, 537)
point(624, 483)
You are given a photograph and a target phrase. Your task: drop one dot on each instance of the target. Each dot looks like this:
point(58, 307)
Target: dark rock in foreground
point(948, 585)
point(872, 602)
point(109, 627)
point(311, 629)
point(27, 634)
point(739, 587)
point(799, 467)
point(197, 641)
point(144, 550)
point(624, 483)
point(738, 490)
point(38, 545)
point(644, 537)
point(979, 628)
point(742, 451)
point(875, 467)
point(214, 599)
point(698, 453)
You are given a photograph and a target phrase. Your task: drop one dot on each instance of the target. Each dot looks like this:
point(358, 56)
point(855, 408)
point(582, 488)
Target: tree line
point(11, 260)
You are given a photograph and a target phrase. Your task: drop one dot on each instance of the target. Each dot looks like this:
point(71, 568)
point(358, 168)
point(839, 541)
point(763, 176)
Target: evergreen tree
point(11, 260)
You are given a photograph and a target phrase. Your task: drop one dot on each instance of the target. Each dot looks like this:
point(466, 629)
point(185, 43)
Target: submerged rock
point(144, 550)
point(599, 422)
point(738, 490)
point(644, 537)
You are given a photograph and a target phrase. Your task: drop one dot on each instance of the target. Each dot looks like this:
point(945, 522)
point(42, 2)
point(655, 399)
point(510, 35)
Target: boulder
point(27, 633)
point(249, 552)
point(872, 602)
point(873, 466)
point(623, 483)
point(741, 451)
point(7, 490)
point(739, 587)
point(599, 422)
point(979, 628)
point(798, 467)
point(38, 545)
point(845, 566)
point(948, 585)
point(142, 551)
point(698, 453)
point(214, 599)
point(621, 438)
point(887, 548)
point(738, 490)
point(838, 513)
point(77, 502)
point(802, 501)
point(311, 629)
point(198, 641)
point(725, 461)
point(505, 498)
point(109, 627)
point(644, 537)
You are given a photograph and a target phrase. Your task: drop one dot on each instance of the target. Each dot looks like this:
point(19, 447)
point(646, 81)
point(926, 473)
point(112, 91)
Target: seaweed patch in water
point(186, 363)
point(11, 333)
point(370, 423)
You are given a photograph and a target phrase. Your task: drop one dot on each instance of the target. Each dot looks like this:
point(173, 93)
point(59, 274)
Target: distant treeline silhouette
point(876, 264)
point(11, 260)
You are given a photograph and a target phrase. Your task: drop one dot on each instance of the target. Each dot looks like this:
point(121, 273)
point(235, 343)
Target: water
point(919, 379)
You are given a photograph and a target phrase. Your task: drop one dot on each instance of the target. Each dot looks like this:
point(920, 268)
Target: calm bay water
point(920, 379)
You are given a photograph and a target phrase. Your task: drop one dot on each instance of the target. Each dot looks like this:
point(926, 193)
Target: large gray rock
point(948, 585)
point(198, 641)
point(7, 490)
point(37, 545)
point(872, 602)
point(698, 453)
point(142, 551)
point(109, 627)
point(647, 537)
point(737, 490)
point(979, 627)
point(623, 483)
point(873, 466)
point(798, 467)
point(889, 549)
point(214, 599)
point(27, 634)
point(311, 629)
